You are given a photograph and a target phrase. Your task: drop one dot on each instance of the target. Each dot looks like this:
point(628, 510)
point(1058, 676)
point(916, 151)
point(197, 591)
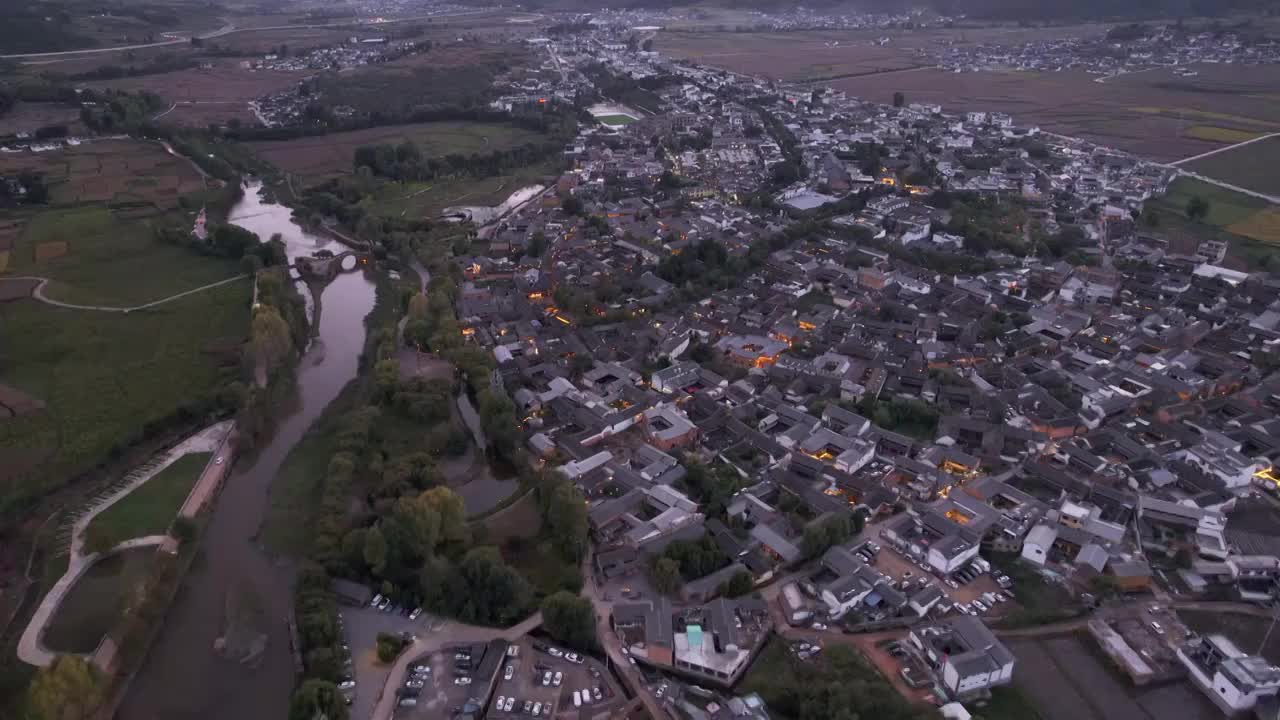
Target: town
point(817, 406)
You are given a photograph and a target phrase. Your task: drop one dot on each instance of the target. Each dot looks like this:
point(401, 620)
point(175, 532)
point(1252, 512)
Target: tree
point(666, 576)
point(899, 99)
point(570, 619)
point(1197, 208)
point(69, 689)
point(420, 522)
point(389, 647)
point(572, 205)
point(375, 550)
point(567, 520)
point(453, 514)
point(270, 338)
point(740, 584)
point(318, 700)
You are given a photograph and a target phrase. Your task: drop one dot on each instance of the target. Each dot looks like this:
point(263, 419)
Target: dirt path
point(31, 648)
point(38, 294)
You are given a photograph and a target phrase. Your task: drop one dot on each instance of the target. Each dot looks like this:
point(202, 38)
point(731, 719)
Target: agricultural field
point(1250, 226)
point(200, 96)
point(110, 171)
point(1252, 167)
point(29, 116)
point(105, 377)
point(150, 508)
point(789, 56)
point(428, 199)
point(321, 157)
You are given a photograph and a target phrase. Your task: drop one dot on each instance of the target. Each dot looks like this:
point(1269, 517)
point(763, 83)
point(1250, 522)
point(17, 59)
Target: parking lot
point(532, 679)
point(360, 628)
point(969, 584)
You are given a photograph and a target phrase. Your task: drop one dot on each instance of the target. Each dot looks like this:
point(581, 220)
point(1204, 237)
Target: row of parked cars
point(347, 683)
point(385, 605)
point(533, 708)
point(417, 677)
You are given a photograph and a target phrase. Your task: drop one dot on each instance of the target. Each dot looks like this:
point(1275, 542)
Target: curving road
point(38, 294)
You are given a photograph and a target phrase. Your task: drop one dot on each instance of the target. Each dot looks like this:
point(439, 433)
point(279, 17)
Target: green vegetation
point(571, 620)
point(98, 601)
point(318, 699)
point(915, 418)
point(834, 530)
point(685, 560)
point(1250, 226)
point(108, 385)
point(69, 689)
point(112, 261)
point(1251, 166)
point(1007, 703)
point(1039, 602)
point(389, 647)
point(837, 685)
point(149, 509)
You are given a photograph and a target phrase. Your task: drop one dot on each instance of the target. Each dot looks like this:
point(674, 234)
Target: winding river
point(183, 678)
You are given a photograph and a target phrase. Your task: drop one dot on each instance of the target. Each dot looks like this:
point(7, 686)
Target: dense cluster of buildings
point(1085, 397)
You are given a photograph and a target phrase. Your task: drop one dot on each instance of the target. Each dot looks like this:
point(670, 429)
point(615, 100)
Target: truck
point(793, 605)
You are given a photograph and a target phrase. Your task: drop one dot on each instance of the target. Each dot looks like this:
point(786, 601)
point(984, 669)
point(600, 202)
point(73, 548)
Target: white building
point(1233, 680)
point(965, 655)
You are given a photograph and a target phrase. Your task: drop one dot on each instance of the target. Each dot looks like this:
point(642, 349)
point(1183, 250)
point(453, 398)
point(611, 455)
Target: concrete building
point(1234, 681)
point(965, 654)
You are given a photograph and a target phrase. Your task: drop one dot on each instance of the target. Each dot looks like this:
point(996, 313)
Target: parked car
point(557, 678)
point(377, 599)
point(819, 626)
point(555, 652)
point(595, 693)
point(497, 704)
point(537, 709)
point(577, 699)
point(511, 703)
point(386, 603)
point(464, 680)
point(509, 673)
point(513, 650)
point(408, 702)
point(416, 612)
point(546, 710)
point(346, 684)
point(573, 658)
point(417, 684)
point(528, 705)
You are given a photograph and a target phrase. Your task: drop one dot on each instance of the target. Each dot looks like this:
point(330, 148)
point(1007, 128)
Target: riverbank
point(183, 676)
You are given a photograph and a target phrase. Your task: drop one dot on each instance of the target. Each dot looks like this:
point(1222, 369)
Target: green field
point(1250, 226)
point(151, 508)
point(324, 156)
point(109, 260)
point(427, 199)
point(97, 600)
point(616, 119)
point(1252, 167)
point(108, 379)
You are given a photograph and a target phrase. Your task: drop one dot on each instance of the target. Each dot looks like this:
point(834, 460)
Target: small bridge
point(327, 268)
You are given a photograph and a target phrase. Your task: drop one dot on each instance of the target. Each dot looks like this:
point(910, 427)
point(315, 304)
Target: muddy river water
point(183, 678)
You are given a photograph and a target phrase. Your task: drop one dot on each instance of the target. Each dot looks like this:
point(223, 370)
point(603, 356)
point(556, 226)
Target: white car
point(497, 704)
point(415, 684)
point(555, 652)
point(537, 708)
point(416, 612)
point(464, 680)
point(511, 702)
point(218, 461)
point(346, 684)
point(819, 626)
point(595, 693)
point(573, 658)
point(555, 680)
point(376, 600)
point(385, 604)
point(586, 695)
point(546, 678)
point(509, 673)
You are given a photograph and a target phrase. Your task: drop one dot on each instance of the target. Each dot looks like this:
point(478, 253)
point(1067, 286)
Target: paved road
point(613, 646)
point(1211, 153)
point(31, 648)
point(38, 294)
point(451, 634)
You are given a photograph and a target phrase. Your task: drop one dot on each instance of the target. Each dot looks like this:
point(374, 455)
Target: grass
point(316, 158)
point(616, 119)
point(97, 600)
point(772, 667)
point(1039, 601)
point(1212, 133)
point(111, 261)
point(1244, 630)
point(108, 379)
point(1231, 216)
point(1251, 167)
point(286, 528)
point(151, 508)
point(1008, 703)
point(428, 199)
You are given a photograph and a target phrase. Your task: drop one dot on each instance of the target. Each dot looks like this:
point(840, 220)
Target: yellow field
point(1263, 225)
point(1202, 115)
point(1219, 134)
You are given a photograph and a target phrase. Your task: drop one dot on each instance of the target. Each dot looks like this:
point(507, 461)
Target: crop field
point(427, 199)
point(105, 376)
point(204, 96)
point(1253, 167)
point(317, 158)
point(27, 116)
point(110, 171)
point(1250, 226)
point(791, 56)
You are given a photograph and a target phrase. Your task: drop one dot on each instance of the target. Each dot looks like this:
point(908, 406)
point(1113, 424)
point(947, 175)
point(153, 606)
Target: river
point(182, 677)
